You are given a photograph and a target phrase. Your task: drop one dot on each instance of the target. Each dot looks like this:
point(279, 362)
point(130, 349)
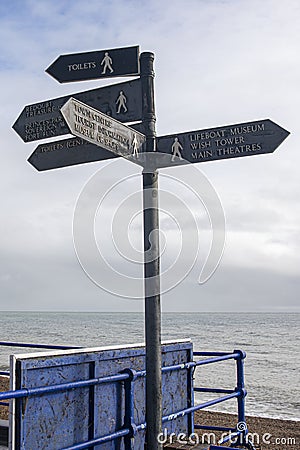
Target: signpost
point(91, 116)
point(151, 265)
point(94, 65)
point(98, 128)
point(42, 120)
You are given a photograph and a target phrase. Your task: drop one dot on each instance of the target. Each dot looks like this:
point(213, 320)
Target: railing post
point(241, 426)
point(240, 387)
point(129, 409)
point(190, 390)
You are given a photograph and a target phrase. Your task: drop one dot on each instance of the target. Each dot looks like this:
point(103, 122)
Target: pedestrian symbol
point(176, 148)
point(134, 146)
point(107, 61)
point(121, 102)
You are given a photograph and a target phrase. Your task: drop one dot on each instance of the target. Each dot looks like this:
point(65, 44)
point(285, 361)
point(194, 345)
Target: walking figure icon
point(107, 61)
point(176, 148)
point(134, 146)
point(121, 102)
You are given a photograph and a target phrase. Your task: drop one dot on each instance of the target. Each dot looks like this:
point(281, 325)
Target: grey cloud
point(216, 63)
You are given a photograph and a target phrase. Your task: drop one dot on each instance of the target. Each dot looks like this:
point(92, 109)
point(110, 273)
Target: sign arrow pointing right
point(231, 141)
point(97, 128)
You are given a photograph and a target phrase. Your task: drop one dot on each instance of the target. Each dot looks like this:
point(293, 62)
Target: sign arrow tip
point(30, 160)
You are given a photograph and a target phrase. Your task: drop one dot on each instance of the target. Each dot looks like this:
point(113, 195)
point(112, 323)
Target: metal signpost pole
point(130, 102)
point(151, 264)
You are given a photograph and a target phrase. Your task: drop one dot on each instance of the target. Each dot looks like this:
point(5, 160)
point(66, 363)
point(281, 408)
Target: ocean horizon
point(270, 340)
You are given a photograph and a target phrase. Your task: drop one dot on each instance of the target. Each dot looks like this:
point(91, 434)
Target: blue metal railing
point(241, 429)
point(29, 345)
point(129, 376)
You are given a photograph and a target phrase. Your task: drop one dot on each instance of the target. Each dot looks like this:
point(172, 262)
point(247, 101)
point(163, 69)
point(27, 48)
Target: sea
point(271, 342)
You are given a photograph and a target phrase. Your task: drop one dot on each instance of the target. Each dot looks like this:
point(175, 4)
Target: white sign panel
point(98, 128)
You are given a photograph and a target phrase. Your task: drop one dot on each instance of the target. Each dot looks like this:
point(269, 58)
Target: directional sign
point(122, 101)
point(70, 152)
point(98, 64)
point(67, 152)
point(232, 141)
point(98, 128)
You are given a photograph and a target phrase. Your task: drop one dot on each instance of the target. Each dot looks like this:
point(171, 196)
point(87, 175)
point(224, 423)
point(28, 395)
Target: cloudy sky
point(217, 62)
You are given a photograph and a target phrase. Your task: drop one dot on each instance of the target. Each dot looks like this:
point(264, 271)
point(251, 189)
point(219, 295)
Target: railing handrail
point(31, 345)
point(129, 376)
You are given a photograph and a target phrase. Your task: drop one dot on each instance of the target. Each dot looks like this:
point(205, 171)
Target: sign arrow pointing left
point(67, 152)
point(43, 120)
point(94, 65)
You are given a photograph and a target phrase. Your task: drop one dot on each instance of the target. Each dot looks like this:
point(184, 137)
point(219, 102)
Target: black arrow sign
point(122, 101)
point(232, 141)
point(93, 65)
point(67, 152)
